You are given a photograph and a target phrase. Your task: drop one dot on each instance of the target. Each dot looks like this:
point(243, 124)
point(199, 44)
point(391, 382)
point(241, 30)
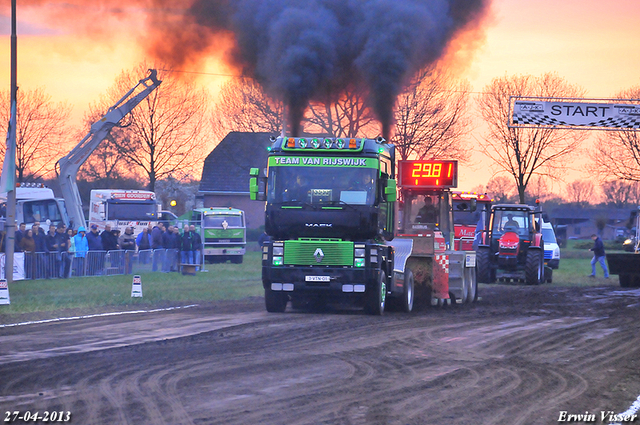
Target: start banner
point(584, 114)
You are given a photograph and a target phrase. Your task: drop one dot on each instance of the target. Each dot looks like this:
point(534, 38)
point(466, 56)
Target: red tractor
point(512, 247)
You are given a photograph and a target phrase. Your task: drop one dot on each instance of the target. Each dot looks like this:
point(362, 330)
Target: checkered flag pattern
point(630, 122)
point(536, 119)
point(443, 260)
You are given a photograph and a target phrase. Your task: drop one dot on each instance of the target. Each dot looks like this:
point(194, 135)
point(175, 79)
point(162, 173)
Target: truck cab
point(37, 203)
point(329, 212)
point(123, 208)
point(224, 233)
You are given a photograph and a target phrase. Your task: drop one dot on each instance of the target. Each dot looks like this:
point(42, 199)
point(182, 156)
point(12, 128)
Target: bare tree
point(521, 152)
point(431, 117)
point(500, 188)
point(41, 132)
point(107, 164)
point(616, 154)
point(620, 193)
point(538, 189)
point(243, 105)
point(164, 135)
point(580, 192)
point(345, 116)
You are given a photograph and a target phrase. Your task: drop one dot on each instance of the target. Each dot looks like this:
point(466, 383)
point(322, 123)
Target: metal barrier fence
point(56, 265)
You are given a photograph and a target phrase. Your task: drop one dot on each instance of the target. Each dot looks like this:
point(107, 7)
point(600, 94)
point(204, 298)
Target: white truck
point(36, 202)
point(123, 208)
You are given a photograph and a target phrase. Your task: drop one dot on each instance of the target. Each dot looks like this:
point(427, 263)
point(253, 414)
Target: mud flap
point(440, 281)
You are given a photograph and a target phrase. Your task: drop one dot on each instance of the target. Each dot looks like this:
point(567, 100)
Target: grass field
point(220, 282)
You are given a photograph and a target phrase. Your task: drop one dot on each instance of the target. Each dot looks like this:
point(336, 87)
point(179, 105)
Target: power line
point(204, 73)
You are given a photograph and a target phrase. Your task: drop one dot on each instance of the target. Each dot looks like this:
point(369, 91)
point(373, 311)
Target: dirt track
point(520, 356)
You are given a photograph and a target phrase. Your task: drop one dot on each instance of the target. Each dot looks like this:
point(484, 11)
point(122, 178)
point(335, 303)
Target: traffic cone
point(4, 292)
point(136, 287)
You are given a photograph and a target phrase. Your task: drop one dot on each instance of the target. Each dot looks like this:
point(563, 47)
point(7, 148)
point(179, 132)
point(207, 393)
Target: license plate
point(317, 278)
point(471, 260)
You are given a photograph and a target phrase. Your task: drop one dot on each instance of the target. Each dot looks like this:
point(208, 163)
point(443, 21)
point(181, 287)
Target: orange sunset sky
point(74, 49)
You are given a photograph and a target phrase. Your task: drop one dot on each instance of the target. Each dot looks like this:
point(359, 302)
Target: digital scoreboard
point(428, 173)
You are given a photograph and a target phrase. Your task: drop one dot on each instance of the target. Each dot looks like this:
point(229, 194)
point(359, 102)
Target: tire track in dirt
point(495, 365)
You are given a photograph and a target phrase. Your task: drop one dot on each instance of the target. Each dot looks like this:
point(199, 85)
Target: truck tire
point(472, 282)
point(548, 274)
point(237, 259)
point(375, 296)
point(485, 273)
point(534, 267)
point(275, 301)
point(408, 292)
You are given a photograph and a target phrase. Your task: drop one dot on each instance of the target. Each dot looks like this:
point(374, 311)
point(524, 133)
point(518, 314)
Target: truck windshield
point(298, 185)
point(216, 221)
point(462, 214)
point(41, 210)
point(132, 211)
point(548, 235)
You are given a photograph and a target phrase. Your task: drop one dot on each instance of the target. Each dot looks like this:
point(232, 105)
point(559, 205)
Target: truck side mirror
point(255, 194)
point(390, 191)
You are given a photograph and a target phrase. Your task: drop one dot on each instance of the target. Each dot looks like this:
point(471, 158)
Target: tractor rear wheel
point(534, 267)
point(485, 273)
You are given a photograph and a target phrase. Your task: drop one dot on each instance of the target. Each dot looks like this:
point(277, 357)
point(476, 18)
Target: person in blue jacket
point(82, 247)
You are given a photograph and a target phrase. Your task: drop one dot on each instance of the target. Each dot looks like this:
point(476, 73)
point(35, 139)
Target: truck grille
point(303, 252)
point(216, 234)
point(548, 255)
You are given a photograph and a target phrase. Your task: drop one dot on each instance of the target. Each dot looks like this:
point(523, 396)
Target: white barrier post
point(136, 287)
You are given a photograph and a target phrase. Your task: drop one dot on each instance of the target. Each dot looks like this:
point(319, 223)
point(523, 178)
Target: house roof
point(566, 215)
point(226, 168)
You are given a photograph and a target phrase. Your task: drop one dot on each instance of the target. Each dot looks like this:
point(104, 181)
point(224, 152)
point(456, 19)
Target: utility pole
point(9, 168)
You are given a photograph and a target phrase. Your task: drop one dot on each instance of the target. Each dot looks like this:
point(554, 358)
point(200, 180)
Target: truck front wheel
point(275, 301)
point(375, 296)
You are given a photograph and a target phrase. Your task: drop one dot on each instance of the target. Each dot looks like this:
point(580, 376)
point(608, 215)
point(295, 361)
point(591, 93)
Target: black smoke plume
point(301, 50)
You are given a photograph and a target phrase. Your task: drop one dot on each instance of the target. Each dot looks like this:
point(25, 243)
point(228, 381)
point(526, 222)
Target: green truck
point(224, 233)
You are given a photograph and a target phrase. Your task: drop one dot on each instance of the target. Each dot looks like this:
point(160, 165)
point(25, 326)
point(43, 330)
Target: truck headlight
point(359, 262)
point(277, 261)
point(278, 250)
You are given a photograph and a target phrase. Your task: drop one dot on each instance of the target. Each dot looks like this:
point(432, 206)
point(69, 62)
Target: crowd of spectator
point(61, 252)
